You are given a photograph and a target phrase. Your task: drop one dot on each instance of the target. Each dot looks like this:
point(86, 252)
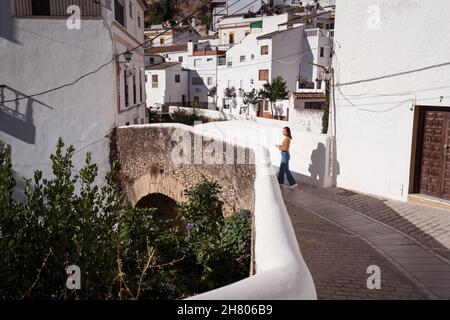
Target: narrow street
point(341, 233)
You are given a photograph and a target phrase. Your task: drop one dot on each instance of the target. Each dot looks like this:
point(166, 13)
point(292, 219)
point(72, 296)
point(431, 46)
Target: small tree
point(230, 93)
point(274, 91)
point(250, 98)
point(212, 92)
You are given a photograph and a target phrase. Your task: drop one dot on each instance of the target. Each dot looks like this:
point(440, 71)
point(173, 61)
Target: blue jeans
point(284, 169)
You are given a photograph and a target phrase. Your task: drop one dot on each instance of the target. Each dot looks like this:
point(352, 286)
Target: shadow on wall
point(17, 121)
point(318, 169)
point(7, 23)
point(199, 89)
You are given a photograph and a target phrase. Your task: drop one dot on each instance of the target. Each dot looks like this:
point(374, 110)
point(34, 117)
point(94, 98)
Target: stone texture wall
point(144, 153)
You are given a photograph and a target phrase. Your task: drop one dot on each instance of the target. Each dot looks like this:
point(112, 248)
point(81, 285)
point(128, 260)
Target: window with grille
point(119, 12)
point(314, 105)
point(177, 78)
point(126, 88)
point(154, 81)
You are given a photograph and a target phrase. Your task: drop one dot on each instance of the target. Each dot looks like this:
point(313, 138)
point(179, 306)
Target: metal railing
point(54, 8)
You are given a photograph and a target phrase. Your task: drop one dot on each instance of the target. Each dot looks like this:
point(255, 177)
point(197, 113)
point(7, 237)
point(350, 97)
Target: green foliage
point(161, 11)
point(250, 99)
point(123, 252)
point(182, 116)
point(326, 114)
point(275, 91)
point(230, 92)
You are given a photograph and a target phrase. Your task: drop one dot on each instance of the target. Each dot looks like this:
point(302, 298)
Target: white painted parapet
point(281, 272)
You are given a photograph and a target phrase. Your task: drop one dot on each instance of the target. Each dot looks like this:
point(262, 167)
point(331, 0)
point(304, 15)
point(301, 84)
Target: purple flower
point(244, 213)
point(190, 226)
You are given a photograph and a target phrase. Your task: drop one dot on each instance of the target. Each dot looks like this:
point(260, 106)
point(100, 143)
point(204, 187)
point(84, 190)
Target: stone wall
point(145, 155)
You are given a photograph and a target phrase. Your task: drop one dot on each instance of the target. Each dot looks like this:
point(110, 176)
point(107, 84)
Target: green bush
point(123, 252)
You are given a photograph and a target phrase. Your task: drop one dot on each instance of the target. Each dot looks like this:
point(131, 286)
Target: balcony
point(54, 8)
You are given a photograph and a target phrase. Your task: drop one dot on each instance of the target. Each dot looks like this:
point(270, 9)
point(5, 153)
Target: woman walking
point(285, 156)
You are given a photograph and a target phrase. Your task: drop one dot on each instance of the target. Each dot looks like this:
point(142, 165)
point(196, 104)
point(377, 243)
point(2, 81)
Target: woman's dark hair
point(288, 132)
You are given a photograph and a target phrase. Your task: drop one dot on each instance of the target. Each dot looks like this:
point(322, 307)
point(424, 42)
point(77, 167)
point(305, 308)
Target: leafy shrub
point(123, 252)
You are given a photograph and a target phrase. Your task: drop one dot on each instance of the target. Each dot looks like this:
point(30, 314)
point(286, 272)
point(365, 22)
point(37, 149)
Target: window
point(139, 21)
point(152, 60)
point(197, 81)
point(134, 90)
point(226, 103)
point(130, 9)
point(127, 123)
point(264, 50)
point(119, 12)
point(161, 40)
point(263, 75)
point(231, 38)
point(180, 59)
point(322, 51)
point(141, 85)
point(229, 62)
point(210, 81)
point(314, 105)
point(209, 59)
point(142, 121)
point(126, 87)
point(242, 58)
point(266, 106)
point(154, 81)
point(177, 78)
point(40, 7)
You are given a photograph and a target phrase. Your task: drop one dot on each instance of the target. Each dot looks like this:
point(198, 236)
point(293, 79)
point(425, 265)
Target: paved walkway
point(341, 233)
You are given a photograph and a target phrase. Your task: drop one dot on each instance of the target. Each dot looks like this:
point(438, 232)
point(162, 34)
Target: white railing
point(312, 32)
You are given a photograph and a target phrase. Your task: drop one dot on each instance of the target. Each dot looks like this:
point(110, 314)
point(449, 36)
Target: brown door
point(435, 163)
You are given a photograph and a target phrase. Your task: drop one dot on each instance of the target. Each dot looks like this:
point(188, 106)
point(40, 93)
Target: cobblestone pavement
point(339, 242)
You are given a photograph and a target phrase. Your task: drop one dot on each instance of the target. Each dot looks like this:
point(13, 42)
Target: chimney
point(190, 48)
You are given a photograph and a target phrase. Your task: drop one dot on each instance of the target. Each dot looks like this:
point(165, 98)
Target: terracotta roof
point(269, 35)
point(309, 95)
point(164, 49)
point(163, 65)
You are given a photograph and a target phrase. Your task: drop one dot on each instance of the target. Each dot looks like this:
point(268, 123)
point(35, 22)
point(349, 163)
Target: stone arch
point(156, 182)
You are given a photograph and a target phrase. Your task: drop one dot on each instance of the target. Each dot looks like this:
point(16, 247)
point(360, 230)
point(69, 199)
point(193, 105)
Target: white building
point(201, 61)
point(158, 35)
point(223, 8)
point(39, 52)
point(167, 85)
point(392, 75)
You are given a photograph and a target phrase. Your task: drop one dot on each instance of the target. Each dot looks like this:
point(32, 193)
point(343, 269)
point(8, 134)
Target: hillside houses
point(249, 50)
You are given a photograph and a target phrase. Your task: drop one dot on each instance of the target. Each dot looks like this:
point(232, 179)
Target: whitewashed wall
point(379, 44)
point(45, 55)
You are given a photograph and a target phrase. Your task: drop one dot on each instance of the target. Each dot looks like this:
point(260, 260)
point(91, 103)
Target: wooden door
point(435, 163)
point(445, 189)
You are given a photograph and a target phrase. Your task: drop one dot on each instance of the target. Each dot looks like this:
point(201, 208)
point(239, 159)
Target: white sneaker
point(293, 186)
